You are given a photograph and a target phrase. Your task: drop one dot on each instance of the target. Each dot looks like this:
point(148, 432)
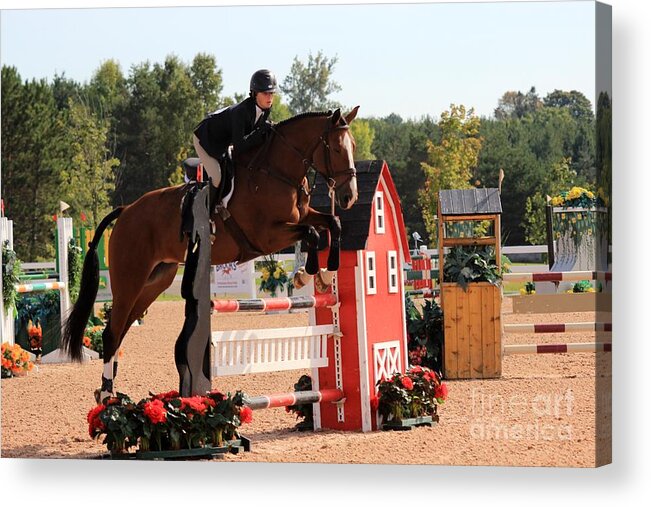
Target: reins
point(308, 162)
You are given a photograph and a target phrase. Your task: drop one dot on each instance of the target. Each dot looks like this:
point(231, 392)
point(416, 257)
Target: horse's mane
point(309, 114)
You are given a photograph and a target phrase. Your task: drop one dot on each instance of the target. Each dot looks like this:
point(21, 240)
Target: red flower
point(209, 402)
point(407, 383)
point(166, 396)
point(82, 216)
point(195, 403)
point(95, 425)
point(441, 392)
point(94, 412)
point(155, 411)
point(246, 415)
point(375, 403)
point(431, 376)
point(416, 369)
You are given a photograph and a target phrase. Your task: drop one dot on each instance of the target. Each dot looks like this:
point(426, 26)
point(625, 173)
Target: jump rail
point(558, 276)
point(557, 348)
point(567, 327)
point(295, 398)
point(271, 304)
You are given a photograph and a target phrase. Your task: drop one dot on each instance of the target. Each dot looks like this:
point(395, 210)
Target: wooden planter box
point(559, 303)
point(473, 331)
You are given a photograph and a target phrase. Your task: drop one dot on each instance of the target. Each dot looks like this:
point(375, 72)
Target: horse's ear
point(351, 116)
point(336, 116)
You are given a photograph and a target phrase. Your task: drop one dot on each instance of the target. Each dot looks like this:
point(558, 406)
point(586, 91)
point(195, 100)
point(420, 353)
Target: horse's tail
point(73, 332)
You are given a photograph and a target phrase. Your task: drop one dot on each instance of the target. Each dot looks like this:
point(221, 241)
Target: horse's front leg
point(330, 222)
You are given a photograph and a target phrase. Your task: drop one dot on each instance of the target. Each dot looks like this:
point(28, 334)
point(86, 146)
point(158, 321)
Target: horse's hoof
point(96, 394)
point(298, 282)
point(320, 284)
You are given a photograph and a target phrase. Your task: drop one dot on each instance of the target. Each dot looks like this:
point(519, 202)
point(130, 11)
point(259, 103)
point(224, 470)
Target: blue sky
point(410, 59)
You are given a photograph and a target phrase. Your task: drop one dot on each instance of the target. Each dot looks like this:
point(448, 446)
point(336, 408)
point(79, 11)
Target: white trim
point(392, 271)
point(362, 343)
point(370, 268)
point(380, 219)
point(386, 360)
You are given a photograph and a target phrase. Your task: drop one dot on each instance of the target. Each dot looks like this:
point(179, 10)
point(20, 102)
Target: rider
point(244, 125)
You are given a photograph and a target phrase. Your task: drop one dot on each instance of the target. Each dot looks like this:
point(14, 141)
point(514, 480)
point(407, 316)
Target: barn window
point(371, 278)
point(392, 271)
point(379, 213)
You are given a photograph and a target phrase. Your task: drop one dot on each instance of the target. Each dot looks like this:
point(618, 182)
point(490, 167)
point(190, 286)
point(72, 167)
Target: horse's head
point(333, 157)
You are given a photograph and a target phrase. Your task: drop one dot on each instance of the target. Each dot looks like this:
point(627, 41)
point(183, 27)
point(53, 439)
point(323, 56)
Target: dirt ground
point(540, 413)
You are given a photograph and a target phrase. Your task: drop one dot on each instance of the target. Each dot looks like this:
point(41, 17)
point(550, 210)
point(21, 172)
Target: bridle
point(308, 161)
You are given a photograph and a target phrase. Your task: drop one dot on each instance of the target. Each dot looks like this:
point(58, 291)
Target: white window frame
point(392, 272)
point(380, 218)
point(371, 273)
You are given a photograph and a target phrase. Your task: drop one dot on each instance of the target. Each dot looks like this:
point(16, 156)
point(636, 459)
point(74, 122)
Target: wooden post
point(550, 234)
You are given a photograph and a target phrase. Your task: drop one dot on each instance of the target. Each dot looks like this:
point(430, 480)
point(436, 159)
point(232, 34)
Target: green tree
point(308, 87)
point(30, 186)
point(450, 163)
point(517, 104)
point(206, 78)
point(156, 124)
point(87, 172)
point(363, 134)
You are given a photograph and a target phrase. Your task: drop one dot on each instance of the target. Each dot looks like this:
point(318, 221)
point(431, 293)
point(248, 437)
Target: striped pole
point(36, 287)
point(567, 327)
point(271, 304)
point(557, 348)
point(558, 276)
point(295, 398)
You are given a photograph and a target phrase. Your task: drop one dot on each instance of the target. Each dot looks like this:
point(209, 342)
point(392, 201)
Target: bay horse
point(267, 212)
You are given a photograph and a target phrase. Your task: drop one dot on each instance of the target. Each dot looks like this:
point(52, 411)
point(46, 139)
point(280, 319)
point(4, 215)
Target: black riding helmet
point(263, 81)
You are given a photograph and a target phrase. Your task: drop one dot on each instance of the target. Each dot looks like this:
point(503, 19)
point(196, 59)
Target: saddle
point(191, 169)
point(216, 204)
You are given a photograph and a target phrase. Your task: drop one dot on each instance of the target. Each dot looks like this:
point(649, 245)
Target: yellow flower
point(579, 216)
point(562, 216)
point(265, 275)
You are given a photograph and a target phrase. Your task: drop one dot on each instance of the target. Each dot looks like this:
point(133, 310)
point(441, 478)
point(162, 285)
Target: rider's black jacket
point(233, 125)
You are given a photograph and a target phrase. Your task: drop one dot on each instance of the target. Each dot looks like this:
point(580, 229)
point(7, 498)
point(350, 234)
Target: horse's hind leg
point(160, 279)
point(132, 295)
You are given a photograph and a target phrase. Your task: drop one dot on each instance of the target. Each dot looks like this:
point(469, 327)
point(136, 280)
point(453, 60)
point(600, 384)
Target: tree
point(156, 124)
point(363, 134)
point(308, 87)
point(30, 186)
point(574, 101)
point(450, 163)
point(206, 78)
point(517, 104)
point(87, 172)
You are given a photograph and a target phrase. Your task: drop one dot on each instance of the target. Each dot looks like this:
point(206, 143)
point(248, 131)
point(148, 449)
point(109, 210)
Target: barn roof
point(473, 201)
point(356, 222)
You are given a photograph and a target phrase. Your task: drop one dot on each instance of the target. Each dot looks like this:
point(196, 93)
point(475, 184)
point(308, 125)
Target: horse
point(267, 212)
